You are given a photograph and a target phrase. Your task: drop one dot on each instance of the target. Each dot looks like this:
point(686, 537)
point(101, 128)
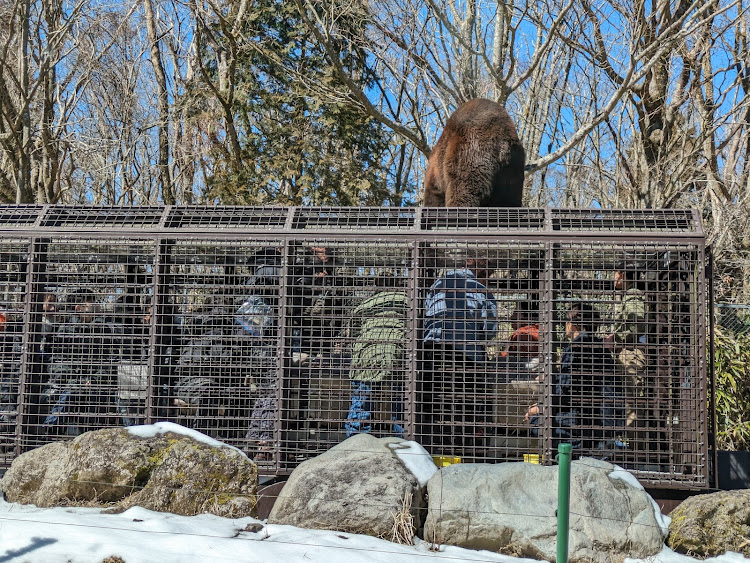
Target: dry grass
point(403, 522)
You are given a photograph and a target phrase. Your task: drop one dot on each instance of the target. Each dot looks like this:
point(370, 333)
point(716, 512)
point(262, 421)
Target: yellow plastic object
point(531, 458)
point(445, 460)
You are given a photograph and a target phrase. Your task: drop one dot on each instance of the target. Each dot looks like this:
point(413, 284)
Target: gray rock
point(511, 508)
point(357, 486)
point(169, 472)
point(712, 524)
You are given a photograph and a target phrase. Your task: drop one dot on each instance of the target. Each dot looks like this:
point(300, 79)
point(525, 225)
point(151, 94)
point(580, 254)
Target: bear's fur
point(478, 160)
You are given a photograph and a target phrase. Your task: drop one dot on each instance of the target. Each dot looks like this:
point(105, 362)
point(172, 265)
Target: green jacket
point(378, 326)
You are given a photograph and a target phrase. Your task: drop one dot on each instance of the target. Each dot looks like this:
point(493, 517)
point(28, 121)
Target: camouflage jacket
point(378, 326)
point(631, 324)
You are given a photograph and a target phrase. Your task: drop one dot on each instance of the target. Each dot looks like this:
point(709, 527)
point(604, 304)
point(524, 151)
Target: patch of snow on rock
point(151, 430)
point(416, 459)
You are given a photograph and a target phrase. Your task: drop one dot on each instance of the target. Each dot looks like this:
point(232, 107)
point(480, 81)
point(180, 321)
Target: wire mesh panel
point(482, 219)
point(14, 256)
point(626, 383)
point(19, 216)
point(487, 335)
point(348, 325)
point(61, 217)
point(479, 346)
point(625, 220)
point(354, 218)
point(217, 353)
point(234, 217)
point(733, 317)
point(88, 361)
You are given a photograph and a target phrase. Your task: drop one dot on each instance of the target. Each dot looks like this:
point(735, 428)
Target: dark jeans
point(590, 425)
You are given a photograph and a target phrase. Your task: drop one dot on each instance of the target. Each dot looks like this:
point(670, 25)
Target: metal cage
point(487, 335)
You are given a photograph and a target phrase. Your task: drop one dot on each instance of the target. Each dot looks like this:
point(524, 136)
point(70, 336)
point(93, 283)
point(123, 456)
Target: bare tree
point(165, 180)
point(217, 29)
point(179, 45)
point(546, 61)
point(41, 89)
point(627, 104)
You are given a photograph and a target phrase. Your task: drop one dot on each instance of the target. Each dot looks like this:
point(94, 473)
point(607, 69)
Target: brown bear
point(478, 160)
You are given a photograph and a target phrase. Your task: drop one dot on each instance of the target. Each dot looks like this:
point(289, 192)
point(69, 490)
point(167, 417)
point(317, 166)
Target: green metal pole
point(563, 501)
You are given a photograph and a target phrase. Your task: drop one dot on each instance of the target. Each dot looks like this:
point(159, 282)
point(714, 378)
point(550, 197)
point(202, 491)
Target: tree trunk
point(165, 181)
point(23, 178)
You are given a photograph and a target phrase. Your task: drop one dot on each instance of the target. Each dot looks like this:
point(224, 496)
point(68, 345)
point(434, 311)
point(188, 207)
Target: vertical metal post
point(30, 335)
point(413, 347)
point(713, 421)
point(162, 337)
point(284, 350)
point(563, 501)
point(547, 335)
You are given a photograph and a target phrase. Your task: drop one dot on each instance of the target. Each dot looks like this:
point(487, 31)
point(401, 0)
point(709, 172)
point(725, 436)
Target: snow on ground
point(85, 535)
point(669, 556)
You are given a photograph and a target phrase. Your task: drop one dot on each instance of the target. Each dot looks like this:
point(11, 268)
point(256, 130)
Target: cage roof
point(332, 220)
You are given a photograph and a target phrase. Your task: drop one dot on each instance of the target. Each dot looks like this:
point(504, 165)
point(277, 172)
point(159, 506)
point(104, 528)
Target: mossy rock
point(712, 524)
point(168, 472)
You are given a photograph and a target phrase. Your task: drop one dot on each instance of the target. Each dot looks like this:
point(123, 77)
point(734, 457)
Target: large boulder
point(712, 524)
point(358, 486)
point(511, 508)
point(163, 467)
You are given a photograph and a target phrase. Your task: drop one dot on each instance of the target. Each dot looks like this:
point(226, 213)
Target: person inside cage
point(49, 323)
point(630, 329)
point(629, 337)
point(317, 302)
point(253, 324)
point(587, 401)
point(82, 382)
point(521, 355)
point(256, 325)
point(6, 403)
point(460, 319)
point(37, 407)
point(198, 392)
point(134, 324)
point(378, 330)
